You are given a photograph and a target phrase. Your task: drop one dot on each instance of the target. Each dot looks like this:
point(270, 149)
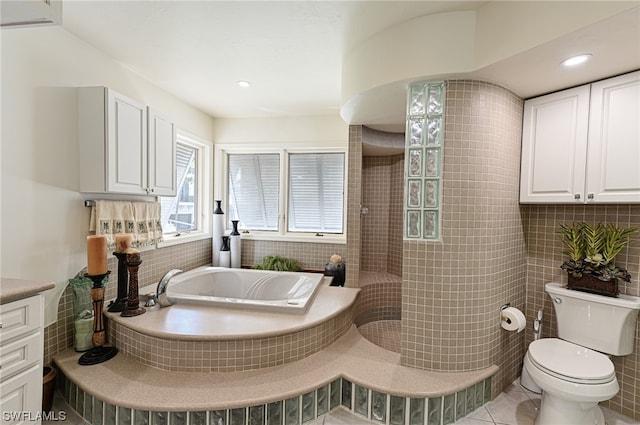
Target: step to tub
point(352, 372)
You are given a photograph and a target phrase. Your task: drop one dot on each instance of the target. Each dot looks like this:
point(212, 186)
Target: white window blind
point(179, 213)
point(254, 183)
point(316, 192)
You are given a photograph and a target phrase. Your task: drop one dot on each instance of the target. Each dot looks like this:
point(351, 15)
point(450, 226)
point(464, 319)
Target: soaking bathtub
point(284, 292)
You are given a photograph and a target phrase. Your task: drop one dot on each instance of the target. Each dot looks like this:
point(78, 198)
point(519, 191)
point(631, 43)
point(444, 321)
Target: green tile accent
point(218, 417)
point(416, 411)
point(297, 410)
point(435, 411)
point(197, 418)
point(396, 415)
point(449, 409)
point(361, 403)
point(274, 413)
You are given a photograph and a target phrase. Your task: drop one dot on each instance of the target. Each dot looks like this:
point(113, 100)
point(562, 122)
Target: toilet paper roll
point(512, 319)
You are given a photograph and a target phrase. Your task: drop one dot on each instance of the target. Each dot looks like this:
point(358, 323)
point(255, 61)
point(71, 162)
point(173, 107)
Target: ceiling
point(292, 52)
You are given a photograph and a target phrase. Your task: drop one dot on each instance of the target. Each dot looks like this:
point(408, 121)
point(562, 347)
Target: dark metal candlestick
point(120, 304)
point(99, 353)
point(133, 302)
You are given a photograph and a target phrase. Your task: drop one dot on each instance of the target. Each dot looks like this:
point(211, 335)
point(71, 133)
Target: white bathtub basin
point(245, 288)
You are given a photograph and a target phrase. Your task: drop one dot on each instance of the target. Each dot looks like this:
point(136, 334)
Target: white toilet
point(571, 370)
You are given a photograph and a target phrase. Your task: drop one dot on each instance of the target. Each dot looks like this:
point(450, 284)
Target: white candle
point(96, 254)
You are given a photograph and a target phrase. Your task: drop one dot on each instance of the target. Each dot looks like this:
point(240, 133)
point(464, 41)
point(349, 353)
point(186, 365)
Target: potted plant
point(592, 250)
point(279, 263)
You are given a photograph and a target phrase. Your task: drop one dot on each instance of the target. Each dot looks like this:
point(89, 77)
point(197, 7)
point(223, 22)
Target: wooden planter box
point(590, 283)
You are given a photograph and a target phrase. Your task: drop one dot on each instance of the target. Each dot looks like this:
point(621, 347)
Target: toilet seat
point(571, 362)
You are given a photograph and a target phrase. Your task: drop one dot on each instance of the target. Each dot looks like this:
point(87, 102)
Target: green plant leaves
point(279, 263)
point(593, 249)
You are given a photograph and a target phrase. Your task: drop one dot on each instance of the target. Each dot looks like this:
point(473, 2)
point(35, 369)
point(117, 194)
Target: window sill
point(307, 238)
point(171, 240)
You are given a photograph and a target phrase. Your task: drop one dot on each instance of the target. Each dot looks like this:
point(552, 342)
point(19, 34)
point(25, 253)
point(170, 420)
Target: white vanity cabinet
point(125, 147)
point(21, 354)
point(582, 145)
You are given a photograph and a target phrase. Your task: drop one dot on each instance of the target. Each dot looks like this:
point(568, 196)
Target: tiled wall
point(224, 355)
point(453, 288)
point(354, 190)
point(544, 256)
point(155, 263)
point(381, 227)
point(312, 256)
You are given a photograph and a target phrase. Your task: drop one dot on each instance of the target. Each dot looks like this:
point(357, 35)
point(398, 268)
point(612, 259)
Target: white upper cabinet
point(582, 145)
point(613, 163)
point(161, 151)
point(125, 148)
point(554, 148)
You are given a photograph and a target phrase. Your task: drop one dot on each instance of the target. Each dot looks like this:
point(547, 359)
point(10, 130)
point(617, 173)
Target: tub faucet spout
point(161, 291)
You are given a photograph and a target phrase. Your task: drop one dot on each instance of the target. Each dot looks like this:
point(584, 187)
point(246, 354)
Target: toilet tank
point(604, 324)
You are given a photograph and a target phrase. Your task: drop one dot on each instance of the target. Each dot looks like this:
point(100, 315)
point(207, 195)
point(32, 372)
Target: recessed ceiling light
point(243, 83)
point(576, 60)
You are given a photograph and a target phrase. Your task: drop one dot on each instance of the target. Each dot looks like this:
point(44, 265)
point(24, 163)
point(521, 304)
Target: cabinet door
point(21, 397)
point(613, 167)
point(554, 147)
point(126, 145)
point(162, 155)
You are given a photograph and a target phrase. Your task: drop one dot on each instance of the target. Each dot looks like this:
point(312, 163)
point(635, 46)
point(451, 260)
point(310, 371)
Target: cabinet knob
point(152, 190)
point(576, 196)
point(590, 196)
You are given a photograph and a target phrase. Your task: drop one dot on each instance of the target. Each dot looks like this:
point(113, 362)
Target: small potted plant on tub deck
point(592, 250)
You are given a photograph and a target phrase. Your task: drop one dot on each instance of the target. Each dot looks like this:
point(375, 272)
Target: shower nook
point(378, 311)
point(457, 269)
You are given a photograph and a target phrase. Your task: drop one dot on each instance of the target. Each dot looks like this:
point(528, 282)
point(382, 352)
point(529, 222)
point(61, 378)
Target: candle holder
point(99, 353)
point(133, 261)
point(120, 304)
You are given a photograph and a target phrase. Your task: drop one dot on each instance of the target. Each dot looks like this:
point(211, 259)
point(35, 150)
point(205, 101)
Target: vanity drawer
point(20, 317)
point(20, 354)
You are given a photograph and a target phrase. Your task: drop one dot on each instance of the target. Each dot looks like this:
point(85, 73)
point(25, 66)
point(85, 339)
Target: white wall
point(325, 130)
point(43, 223)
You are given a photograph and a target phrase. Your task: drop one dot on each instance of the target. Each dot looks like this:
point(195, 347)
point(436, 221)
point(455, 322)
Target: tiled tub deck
point(138, 387)
point(352, 372)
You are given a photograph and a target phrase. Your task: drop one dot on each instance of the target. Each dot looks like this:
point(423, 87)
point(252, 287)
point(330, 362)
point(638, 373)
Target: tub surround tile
point(206, 342)
point(125, 382)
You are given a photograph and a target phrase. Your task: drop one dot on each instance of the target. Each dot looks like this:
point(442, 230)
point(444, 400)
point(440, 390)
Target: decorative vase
point(218, 231)
point(590, 283)
point(225, 253)
point(236, 246)
point(337, 270)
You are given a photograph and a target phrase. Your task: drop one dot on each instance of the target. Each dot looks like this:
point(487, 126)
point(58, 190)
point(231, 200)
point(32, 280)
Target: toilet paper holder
point(502, 308)
point(506, 322)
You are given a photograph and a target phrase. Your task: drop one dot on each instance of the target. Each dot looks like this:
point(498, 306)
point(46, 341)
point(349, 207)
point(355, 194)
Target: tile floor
point(515, 406)
point(383, 333)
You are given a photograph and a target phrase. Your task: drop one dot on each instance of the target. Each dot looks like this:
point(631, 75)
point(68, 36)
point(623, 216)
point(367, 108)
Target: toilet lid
point(571, 362)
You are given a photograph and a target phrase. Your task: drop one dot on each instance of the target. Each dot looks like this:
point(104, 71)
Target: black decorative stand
point(120, 304)
point(99, 353)
point(133, 302)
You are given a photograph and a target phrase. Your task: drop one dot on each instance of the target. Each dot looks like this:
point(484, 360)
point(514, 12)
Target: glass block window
point(423, 160)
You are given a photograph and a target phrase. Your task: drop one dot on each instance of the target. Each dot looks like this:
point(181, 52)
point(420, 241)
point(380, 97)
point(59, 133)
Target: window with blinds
point(179, 213)
point(286, 192)
point(316, 192)
point(254, 190)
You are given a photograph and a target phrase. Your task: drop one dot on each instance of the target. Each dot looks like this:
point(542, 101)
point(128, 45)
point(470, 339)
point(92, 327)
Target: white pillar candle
point(123, 242)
